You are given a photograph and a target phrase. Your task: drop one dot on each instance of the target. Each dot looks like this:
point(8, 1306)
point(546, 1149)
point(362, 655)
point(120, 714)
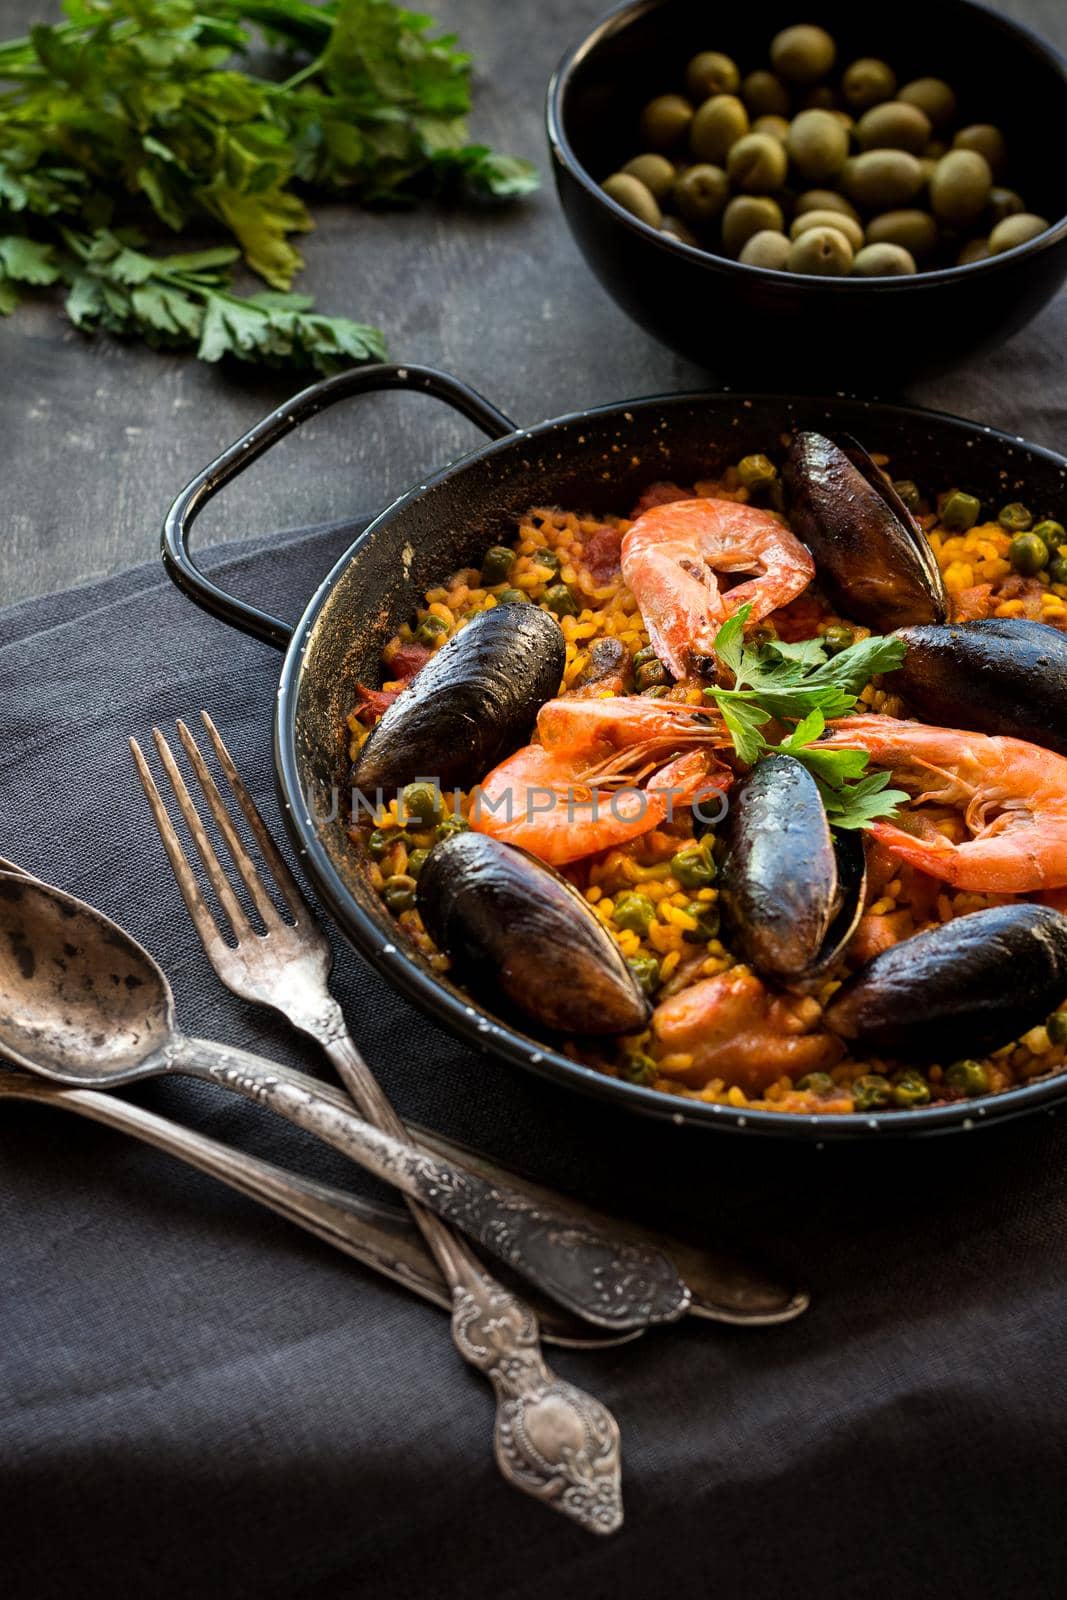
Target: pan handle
point(308, 403)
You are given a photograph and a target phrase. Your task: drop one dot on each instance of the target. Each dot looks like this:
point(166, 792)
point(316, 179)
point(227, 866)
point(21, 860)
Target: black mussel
point(790, 893)
point(516, 931)
point(1003, 675)
point(870, 553)
point(963, 989)
point(472, 703)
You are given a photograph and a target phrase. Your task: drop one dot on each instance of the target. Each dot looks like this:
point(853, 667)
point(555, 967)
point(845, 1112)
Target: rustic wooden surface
point(96, 438)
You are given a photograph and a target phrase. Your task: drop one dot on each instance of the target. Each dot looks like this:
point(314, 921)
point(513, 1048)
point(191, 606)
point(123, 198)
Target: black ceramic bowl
point(753, 323)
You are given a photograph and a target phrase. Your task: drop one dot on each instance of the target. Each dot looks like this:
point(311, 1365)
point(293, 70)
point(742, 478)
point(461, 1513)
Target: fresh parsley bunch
point(803, 684)
point(131, 112)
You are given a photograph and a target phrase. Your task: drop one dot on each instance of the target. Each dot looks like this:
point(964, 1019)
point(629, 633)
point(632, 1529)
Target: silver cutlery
point(82, 1004)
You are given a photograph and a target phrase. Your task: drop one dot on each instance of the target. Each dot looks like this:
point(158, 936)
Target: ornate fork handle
point(612, 1283)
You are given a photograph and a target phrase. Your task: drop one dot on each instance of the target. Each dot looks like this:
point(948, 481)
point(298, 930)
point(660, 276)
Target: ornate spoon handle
point(611, 1283)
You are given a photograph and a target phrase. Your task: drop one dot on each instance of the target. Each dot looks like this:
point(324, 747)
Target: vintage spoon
point(84, 1005)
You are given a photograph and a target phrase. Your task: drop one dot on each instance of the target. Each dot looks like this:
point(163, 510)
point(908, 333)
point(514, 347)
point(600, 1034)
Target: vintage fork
point(552, 1440)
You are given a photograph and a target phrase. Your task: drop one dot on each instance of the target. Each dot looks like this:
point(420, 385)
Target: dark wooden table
point(96, 437)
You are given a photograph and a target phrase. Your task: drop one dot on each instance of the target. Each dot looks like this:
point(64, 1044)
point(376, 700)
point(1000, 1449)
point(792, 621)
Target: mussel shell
point(788, 905)
point(963, 989)
point(517, 932)
point(870, 553)
point(471, 704)
point(1001, 675)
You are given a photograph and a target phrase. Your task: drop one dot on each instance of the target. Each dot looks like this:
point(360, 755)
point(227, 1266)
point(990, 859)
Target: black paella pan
point(598, 460)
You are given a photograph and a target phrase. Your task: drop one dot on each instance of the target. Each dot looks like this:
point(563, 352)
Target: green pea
point(1016, 518)
point(512, 597)
point(838, 637)
point(416, 862)
point(1028, 554)
point(872, 1092)
point(651, 674)
point(422, 803)
point(450, 825)
point(1053, 533)
point(960, 511)
point(634, 911)
point(638, 1068)
point(967, 1077)
point(706, 917)
point(1056, 1027)
point(546, 558)
point(756, 472)
point(430, 630)
point(910, 1089)
point(496, 564)
point(819, 1083)
point(658, 691)
point(383, 839)
point(909, 493)
point(763, 633)
point(399, 893)
point(560, 600)
point(694, 867)
point(646, 653)
point(646, 972)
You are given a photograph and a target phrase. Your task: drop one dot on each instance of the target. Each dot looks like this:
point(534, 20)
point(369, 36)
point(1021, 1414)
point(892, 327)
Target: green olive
point(421, 802)
point(778, 127)
point(894, 126)
point(676, 228)
point(909, 493)
point(559, 599)
point(1016, 517)
point(399, 893)
point(716, 128)
point(748, 214)
point(881, 180)
point(1003, 203)
point(496, 564)
point(1053, 534)
point(821, 252)
point(974, 250)
point(757, 163)
point(871, 1092)
point(1056, 1027)
point(910, 1089)
point(765, 95)
point(960, 511)
point(710, 73)
point(766, 249)
point(646, 972)
point(655, 172)
point(825, 200)
point(700, 193)
point(817, 145)
point(665, 121)
point(1014, 231)
point(959, 188)
point(630, 193)
point(1057, 570)
point(416, 861)
point(967, 1077)
point(649, 674)
point(430, 630)
point(802, 54)
point(852, 230)
point(1028, 554)
point(934, 98)
point(988, 141)
point(838, 637)
point(867, 82)
point(694, 866)
point(884, 261)
point(915, 231)
point(635, 912)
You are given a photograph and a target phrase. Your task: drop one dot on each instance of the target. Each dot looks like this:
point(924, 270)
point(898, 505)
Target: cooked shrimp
point(1012, 796)
point(734, 1029)
point(672, 558)
point(605, 771)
